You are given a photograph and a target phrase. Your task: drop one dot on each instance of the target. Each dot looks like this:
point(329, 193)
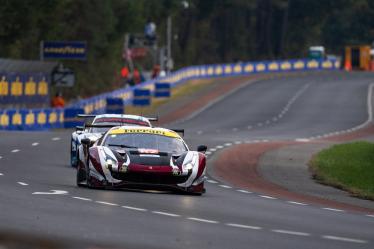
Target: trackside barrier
point(142, 97)
point(115, 105)
point(31, 119)
point(70, 117)
point(98, 104)
point(162, 90)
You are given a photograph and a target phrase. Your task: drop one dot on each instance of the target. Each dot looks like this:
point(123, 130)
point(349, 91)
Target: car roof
point(146, 130)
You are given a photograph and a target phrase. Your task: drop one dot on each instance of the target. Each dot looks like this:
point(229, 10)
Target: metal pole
point(41, 52)
point(168, 47)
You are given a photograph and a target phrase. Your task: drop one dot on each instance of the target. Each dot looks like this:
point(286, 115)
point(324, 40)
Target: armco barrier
point(98, 104)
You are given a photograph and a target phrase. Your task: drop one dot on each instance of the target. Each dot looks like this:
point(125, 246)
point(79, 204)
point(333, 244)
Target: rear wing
point(181, 131)
point(152, 119)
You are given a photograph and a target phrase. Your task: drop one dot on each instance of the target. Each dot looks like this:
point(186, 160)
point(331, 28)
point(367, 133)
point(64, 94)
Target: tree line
point(204, 31)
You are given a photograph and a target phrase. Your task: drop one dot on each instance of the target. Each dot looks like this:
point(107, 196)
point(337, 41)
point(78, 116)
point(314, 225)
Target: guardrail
point(17, 119)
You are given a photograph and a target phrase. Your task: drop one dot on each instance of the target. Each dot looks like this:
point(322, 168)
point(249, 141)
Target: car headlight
point(109, 163)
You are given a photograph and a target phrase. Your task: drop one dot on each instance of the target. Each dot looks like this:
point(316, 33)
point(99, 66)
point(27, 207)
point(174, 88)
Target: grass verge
point(347, 166)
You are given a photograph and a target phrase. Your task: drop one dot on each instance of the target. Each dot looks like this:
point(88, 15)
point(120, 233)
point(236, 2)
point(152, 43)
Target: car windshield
point(102, 129)
point(146, 141)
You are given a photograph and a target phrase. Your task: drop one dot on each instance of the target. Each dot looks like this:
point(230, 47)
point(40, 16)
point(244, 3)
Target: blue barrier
point(137, 95)
point(162, 90)
point(70, 117)
point(141, 97)
point(115, 105)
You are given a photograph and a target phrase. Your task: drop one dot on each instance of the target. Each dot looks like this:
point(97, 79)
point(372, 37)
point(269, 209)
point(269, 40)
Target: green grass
point(347, 166)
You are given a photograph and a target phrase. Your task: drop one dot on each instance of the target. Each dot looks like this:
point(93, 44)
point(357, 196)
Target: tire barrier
point(142, 97)
point(115, 106)
point(157, 87)
point(162, 90)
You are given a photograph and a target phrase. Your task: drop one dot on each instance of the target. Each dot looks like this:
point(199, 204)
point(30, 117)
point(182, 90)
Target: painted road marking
point(249, 127)
point(203, 220)
point(212, 149)
point(53, 192)
point(56, 139)
point(228, 144)
point(267, 197)
point(344, 239)
point(243, 191)
point(15, 150)
point(297, 203)
point(135, 208)
point(1, 157)
point(290, 232)
point(35, 144)
point(333, 209)
point(166, 214)
point(243, 226)
point(107, 203)
point(370, 215)
point(1, 174)
point(199, 132)
point(219, 146)
point(302, 140)
point(81, 198)
point(23, 183)
point(224, 186)
point(212, 181)
point(208, 153)
point(234, 129)
point(238, 142)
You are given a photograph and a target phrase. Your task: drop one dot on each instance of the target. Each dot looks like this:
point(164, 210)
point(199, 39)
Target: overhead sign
point(65, 50)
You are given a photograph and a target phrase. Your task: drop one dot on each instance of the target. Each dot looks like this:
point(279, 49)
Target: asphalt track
point(277, 109)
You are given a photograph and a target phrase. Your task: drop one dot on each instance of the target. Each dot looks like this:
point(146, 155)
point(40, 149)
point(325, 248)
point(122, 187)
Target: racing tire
point(80, 177)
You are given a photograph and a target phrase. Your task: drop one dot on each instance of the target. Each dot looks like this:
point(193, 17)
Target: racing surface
point(39, 195)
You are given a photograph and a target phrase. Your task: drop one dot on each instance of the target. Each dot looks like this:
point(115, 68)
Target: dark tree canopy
point(208, 31)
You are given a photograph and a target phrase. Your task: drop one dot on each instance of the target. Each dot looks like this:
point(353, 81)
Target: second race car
point(106, 121)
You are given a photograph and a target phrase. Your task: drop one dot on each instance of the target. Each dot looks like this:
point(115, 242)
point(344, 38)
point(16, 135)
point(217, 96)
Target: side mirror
point(202, 148)
point(86, 141)
point(79, 128)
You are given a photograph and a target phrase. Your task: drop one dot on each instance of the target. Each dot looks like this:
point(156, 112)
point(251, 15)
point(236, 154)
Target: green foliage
point(208, 31)
point(348, 166)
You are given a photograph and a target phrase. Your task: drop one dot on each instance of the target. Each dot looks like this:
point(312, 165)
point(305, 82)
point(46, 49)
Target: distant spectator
point(150, 32)
point(136, 76)
point(58, 101)
point(155, 71)
point(125, 75)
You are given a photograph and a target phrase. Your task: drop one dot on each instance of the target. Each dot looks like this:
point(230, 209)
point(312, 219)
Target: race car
point(104, 122)
point(141, 157)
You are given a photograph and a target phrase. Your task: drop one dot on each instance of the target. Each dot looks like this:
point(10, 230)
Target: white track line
point(297, 203)
point(1, 174)
point(81, 198)
point(290, 232)
point(23, 183)
point(345, 239)
point(243, 191)
point(219, 147)
point(1, 157)
point(208, 153)
point(166, 214)
point(243, 226)
point(107, 203)
point(212, 181)
point(15, 150)
point(228, 144)
point(203, 220)
point(35, 144)
point(267, 197)
point(238, 142)
point(134, 208)
point(224, 186)
point(333, 209)
point(56, 139)
point(370, 215)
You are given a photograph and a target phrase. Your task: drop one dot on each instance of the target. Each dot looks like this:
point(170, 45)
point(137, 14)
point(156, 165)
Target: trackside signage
point(63, 50)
